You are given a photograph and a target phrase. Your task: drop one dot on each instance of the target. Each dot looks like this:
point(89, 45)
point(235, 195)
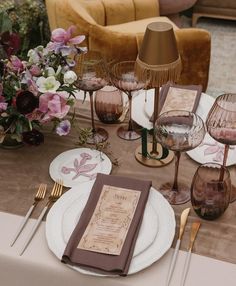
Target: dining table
point(22, 170)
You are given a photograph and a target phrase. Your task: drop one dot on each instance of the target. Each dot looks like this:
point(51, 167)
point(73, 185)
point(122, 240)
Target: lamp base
point(152, 160)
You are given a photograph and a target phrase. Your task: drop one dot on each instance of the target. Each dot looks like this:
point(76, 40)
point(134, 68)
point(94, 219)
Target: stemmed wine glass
point(123, 76)
point(179, 131)
point(221, 125)
point(92, 75)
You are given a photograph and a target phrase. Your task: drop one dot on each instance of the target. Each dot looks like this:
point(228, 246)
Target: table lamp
point(159, 62)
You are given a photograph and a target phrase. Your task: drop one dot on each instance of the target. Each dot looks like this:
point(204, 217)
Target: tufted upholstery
point(116, 28)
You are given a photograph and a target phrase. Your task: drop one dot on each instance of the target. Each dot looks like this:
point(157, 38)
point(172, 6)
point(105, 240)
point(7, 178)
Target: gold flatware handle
point(183, 221)
point(193, 235)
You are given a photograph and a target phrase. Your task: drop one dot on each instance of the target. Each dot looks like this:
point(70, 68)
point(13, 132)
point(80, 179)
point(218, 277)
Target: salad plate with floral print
point(78, 166)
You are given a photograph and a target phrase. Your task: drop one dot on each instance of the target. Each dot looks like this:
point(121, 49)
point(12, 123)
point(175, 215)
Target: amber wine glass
point(221, 125)
point(123, 76)
point(92, 76)
point(179, 131)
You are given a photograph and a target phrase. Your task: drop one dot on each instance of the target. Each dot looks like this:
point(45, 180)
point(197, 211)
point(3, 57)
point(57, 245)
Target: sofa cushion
point(146, 9)
point(138, 27)
point(118, 11)
point(95, 9)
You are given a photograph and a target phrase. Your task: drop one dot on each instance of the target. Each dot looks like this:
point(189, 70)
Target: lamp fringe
point(158, 75)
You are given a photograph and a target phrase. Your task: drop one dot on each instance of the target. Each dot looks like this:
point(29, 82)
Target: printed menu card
point(108, 227)
point(105, 236)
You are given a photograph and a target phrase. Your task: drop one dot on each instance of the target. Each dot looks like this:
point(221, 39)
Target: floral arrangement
point(40, 89)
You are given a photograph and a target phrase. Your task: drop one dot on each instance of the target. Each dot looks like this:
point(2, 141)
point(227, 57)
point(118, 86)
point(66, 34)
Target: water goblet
point(221, 125)
point(92, 76)
point(123, 76)
point(209, 195)
point(179, 131)
point(109, 104)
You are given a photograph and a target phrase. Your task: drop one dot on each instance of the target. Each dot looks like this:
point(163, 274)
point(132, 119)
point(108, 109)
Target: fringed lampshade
point(159, 62)
point(158, 58)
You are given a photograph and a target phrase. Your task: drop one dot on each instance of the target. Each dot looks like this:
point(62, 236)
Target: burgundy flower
point(33, 137)
point(26, 102)
point(10, 42)
point(2, 67)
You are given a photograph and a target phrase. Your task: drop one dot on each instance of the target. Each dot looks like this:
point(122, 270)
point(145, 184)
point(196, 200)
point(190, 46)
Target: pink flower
point(63, 128)
point(15, 64)
point(1, 89)
point(3, 104)
point(35, 70)
point(65, 36)
point(53, 105)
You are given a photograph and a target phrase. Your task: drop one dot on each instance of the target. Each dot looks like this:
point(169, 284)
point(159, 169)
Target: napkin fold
point(100, 262)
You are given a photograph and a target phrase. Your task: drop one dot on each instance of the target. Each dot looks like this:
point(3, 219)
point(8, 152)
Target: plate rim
point(150, 92)
point(193, 154)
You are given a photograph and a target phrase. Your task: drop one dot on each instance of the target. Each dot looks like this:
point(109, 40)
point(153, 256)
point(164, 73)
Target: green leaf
point(5, 22)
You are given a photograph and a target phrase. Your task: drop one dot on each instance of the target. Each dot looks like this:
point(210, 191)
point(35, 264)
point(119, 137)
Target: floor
point(222, 77)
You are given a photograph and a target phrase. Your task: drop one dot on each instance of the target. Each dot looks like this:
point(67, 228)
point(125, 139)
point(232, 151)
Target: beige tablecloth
point(23, 169)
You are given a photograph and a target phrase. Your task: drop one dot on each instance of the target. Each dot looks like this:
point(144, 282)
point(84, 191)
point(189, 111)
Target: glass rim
point(180, 110)
point(220, 97)
point(219, 166)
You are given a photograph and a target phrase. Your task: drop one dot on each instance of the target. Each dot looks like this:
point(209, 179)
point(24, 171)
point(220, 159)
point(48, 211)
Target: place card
point(179, 97)
point(108, 227)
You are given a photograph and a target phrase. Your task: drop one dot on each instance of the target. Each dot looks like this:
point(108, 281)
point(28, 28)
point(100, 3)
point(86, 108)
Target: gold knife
point(183, 220)
point(194, 231)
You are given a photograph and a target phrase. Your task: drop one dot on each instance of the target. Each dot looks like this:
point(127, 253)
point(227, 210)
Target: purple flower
point(63, 128)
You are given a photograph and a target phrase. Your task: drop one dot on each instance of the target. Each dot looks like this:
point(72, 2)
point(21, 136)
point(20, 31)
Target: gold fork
point(55, 194)
point(38, 197)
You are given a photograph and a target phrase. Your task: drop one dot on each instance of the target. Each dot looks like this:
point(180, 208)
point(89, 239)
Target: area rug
point(222, 77)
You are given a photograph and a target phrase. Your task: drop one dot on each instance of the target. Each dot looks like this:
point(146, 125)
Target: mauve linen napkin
point(99, 262)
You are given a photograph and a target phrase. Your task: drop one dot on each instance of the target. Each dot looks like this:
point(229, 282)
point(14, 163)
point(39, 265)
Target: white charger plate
point(142, 109)
point(57, 234)
point(147, 235)
point(204, 153)
point(97, 162)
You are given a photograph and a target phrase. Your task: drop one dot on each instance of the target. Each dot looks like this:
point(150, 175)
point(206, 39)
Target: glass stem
point(224, 162)
point(175, 184)
point(92, 112)
point(130, 127)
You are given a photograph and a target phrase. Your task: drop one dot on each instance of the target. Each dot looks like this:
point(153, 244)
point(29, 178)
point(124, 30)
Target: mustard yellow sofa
point(116, 28)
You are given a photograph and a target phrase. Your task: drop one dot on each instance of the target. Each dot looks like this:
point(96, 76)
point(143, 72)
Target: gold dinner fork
point(38, 197)
point(55, 194)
